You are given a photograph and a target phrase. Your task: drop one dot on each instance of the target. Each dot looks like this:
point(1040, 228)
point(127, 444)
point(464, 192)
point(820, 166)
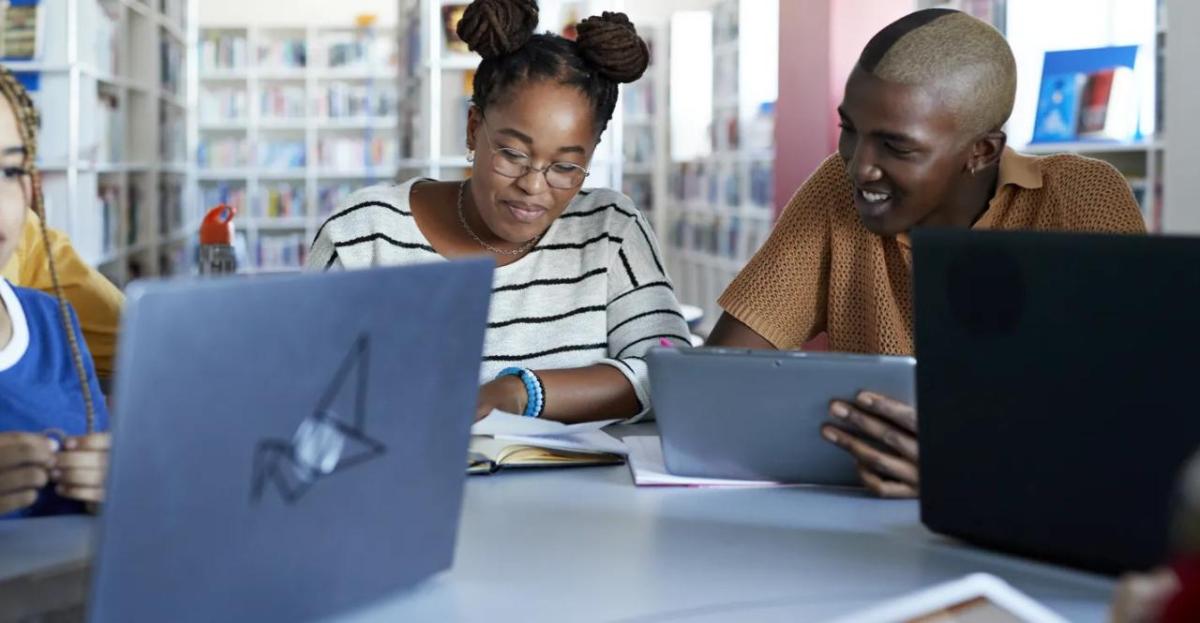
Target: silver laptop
point(288, 448)
point(756, 415)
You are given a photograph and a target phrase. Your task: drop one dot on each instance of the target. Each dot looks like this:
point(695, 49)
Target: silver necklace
point(462, 218)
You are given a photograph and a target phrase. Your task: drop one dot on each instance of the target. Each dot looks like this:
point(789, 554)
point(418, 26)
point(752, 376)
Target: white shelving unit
point(645, 133)
point(291, 119)
point(435, 84)
point(721, 208)
point(111, 81)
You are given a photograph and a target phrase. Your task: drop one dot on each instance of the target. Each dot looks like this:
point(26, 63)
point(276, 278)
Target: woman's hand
point(506, 393)
point(25, 463)
point(873, 422)
point(81, 468)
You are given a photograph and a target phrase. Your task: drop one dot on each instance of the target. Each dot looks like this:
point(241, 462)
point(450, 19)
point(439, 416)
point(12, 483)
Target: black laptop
point(1057, 376)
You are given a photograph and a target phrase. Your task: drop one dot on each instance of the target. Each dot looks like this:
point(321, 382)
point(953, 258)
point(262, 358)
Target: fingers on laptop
point(899, 439)
point(899, 413)
point(883, 487)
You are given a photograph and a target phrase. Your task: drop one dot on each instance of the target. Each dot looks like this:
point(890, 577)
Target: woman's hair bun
point(610, 43)
point(497, 27)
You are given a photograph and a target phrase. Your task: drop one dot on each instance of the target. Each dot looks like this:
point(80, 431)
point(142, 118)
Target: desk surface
point(586, 545)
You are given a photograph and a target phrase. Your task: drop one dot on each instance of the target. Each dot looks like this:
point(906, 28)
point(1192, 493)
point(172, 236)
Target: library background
point(156, 110)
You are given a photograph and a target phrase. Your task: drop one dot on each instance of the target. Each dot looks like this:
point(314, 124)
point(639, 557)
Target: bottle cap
point(217, 227)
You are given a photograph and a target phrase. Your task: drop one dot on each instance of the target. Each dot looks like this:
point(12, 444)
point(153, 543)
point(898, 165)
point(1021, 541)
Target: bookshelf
point(645, 134)
point(435, 84)
point(1032, 30)
point(290, 120)
point(110, 78)
point(721, 208)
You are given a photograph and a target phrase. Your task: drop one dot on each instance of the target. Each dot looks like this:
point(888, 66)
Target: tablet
point(977, 598)
point(756, 415)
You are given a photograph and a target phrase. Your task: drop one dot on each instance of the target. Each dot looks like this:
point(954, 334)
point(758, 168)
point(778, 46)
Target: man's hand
point(81, 468)
point(25, 461)
point(881, 434)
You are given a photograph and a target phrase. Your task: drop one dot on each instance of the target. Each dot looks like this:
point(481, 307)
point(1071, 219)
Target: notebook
point(506, 441)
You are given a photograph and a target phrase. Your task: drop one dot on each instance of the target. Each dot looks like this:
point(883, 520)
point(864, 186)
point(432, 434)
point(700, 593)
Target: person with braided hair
point(53, 453)
point(580, 293)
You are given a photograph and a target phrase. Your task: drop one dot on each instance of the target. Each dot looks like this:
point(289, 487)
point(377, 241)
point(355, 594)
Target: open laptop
point(291, 447)
point(756, 415)
point(1054, 382)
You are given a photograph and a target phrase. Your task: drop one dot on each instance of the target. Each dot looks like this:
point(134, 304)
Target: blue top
point(39, 389)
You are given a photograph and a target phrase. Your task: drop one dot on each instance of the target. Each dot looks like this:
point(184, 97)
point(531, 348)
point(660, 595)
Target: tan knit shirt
point(822, 271)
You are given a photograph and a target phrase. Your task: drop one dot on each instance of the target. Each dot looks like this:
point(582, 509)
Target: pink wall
point(819, 42)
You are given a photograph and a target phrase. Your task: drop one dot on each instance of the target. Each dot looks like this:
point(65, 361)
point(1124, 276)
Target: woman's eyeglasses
point(516, 164)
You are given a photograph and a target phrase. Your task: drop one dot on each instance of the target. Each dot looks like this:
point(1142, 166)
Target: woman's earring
point(470, 155)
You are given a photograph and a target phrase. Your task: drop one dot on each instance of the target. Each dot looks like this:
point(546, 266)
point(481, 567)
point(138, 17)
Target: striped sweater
point(593, 290)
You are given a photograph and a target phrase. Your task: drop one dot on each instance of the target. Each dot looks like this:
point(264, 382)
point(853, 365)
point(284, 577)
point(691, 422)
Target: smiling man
point(921, 145)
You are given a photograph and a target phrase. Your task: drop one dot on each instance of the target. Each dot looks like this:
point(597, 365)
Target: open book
point(502, 441)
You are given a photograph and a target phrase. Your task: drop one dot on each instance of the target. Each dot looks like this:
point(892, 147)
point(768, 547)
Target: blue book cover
point(1065, 75)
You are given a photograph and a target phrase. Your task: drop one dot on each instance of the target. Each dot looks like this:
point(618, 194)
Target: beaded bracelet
point(533, 389)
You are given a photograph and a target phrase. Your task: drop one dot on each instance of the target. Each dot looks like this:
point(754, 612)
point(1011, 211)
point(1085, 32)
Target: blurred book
point(1088, 95)
point(20, 33)
point(452, 14)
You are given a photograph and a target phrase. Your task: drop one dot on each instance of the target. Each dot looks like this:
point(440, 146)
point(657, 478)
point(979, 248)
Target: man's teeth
point(875, 197)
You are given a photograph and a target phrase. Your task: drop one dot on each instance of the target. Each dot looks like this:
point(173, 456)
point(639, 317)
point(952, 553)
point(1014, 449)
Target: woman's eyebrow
point(528, 140)
point(18, 150)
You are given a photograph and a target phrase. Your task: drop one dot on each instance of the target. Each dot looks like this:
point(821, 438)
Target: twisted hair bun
point(610, 43)
point(497, 27)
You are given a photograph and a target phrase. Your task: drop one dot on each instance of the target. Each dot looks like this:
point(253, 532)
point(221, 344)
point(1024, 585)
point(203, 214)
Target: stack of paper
point(650, 469)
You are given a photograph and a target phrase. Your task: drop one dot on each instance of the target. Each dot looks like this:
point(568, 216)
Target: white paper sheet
point(650, 469)
point(501, 423)
point(595, 441)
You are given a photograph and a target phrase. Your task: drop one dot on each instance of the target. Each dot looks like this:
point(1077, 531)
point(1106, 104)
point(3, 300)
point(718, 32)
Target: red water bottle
point(217, 256)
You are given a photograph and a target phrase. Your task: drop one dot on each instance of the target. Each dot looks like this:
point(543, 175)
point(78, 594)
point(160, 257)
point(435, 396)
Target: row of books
point(350, 100)
point(722, 185)
point(170, 204)
point(727, 236)
point(283, 54)
point(110, 130)
point(171, 66)
point(638, 145)
point(230, 195)
point(347, 152)
point(359, 49)
point(223, 153)
point(280, 251)
point(281, 200)
point(223, 104)
point(282, 102)
point(109, 196)
point(641, 191)
point(223, 51)
point(638, 99)
point(282, 154)
point(20, 30)
point(172, 136)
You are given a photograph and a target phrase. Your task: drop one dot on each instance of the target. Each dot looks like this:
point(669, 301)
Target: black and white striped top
point(593, 290)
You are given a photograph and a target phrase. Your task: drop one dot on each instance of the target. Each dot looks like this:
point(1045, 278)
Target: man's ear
point(987, 150)
point(474, 121)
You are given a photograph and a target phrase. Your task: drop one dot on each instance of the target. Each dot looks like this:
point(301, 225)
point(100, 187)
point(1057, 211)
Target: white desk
point(585, 545)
